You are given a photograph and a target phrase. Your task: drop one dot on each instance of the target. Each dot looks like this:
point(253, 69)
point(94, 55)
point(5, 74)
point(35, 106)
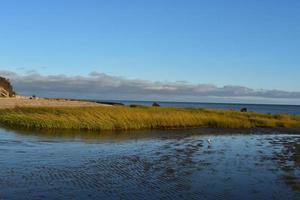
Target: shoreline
point(146, 133)
point(25, 101)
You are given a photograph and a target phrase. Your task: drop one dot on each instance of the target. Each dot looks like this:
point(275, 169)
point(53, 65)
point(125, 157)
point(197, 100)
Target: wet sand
point(42, 102)
point(173, 165)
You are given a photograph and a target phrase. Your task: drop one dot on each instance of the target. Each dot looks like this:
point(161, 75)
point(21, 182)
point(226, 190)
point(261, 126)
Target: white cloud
point(103, 86)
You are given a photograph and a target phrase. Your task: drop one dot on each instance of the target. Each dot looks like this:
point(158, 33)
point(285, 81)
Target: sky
point(237, 51)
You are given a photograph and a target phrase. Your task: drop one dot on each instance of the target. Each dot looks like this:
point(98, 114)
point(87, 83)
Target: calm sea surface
point(274, 109)
point(173, 164)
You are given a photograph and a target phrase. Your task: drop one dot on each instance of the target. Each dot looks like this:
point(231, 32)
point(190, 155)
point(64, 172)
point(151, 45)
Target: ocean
point(262, 108)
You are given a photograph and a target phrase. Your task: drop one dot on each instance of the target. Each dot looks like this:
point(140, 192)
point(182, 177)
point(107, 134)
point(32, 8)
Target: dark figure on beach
point(244, 110)
point(32, 97)
point(155, 104)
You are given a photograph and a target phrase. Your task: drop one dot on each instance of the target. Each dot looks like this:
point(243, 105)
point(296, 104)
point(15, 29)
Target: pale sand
point(40, 102)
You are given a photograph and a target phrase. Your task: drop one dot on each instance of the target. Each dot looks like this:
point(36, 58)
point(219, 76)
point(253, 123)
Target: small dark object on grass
point(110, 103)
point(137, 106)
point(133, 105)
point(155, 104)
point(244, 110)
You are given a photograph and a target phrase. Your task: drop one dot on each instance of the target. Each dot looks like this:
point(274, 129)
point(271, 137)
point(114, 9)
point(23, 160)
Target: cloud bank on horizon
point(106, 87)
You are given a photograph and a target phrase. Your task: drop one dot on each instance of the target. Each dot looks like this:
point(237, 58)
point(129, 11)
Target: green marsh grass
point(138, 117)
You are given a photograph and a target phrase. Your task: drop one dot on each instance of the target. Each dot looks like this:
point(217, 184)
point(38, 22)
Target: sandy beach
point(42, 102)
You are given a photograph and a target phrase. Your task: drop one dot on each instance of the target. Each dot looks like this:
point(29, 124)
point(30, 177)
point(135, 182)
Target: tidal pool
point(171, 164)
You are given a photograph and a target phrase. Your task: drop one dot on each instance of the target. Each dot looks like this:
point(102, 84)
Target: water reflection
point(288, 159)
point(170, 164)
point(126, 135)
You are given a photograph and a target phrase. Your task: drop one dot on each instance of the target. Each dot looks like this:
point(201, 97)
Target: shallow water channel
point(171, 164)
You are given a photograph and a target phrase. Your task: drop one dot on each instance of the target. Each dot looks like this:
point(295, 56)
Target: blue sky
point(254, 44)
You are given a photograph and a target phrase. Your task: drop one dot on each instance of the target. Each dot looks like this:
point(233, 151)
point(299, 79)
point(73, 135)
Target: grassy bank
point(127, 118)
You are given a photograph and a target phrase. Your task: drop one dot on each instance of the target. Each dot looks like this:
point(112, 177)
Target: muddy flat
point(170, 164)
point(27, 102)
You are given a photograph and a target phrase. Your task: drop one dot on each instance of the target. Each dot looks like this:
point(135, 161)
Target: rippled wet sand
point(150, 165)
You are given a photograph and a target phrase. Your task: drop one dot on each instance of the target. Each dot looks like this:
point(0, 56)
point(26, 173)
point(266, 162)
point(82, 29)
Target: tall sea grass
point(127, 118)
